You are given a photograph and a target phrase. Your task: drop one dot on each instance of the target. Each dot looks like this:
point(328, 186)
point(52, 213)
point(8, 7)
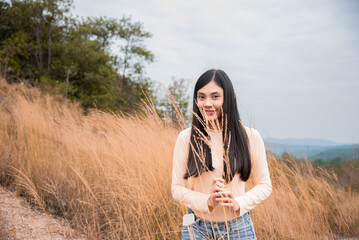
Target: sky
point(294, 65)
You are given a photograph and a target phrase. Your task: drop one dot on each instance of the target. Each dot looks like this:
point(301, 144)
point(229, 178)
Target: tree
point(32, 24)
point(174, 105)
point(90, 72)
point(134, 53)
point(41, 42)
point(130, 82)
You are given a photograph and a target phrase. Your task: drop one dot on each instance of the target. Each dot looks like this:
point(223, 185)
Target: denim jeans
point(238, 228)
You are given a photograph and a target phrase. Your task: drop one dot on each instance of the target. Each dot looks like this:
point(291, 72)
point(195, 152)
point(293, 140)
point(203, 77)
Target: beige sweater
point(194, 192)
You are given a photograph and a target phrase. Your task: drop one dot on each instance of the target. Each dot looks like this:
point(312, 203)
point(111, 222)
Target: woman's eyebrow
point(213, 93)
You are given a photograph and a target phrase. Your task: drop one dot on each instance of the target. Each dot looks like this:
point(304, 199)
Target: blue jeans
point(238, 228)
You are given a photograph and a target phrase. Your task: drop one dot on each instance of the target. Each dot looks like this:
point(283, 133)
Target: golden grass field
point(110, 174)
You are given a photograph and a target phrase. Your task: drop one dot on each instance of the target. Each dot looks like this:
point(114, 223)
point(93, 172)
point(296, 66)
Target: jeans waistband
point(211, 223)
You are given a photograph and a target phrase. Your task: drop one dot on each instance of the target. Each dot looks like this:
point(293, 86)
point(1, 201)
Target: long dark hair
point(234, 136)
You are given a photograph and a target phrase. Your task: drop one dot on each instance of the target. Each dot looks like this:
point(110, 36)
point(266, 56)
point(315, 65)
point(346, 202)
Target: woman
point(213, 159)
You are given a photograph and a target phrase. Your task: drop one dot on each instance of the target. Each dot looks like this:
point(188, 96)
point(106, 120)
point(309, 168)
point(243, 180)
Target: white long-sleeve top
point(195, 191)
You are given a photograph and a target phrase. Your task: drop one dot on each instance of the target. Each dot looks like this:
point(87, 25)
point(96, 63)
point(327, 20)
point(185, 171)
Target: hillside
point(109, 175)
point(301, 141)
point(343, 152)
point(312, 149)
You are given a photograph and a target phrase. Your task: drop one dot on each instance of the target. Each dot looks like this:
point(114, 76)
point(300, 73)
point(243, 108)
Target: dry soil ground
point(18, 220)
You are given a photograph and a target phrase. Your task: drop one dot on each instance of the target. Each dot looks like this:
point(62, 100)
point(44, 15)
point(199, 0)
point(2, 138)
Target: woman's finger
point(219, 184)
point(226, 193)
point(224, 199)
point(221, 180)
point(226, 204)
point(214, 181)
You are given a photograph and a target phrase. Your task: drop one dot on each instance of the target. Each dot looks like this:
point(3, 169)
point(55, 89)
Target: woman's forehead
point(210, 88)
point(215, 92)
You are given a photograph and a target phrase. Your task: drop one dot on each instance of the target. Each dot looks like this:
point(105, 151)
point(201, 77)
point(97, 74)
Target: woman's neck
point(215, 125)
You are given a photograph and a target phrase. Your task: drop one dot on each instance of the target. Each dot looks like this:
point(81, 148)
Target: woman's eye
point(200, 97)
point(215, 96)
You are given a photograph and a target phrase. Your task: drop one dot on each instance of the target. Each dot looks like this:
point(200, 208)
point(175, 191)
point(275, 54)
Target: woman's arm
point(263, 185)
point(192, 199)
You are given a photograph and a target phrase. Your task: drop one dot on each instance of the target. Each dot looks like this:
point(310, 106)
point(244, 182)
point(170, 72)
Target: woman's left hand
point(226, 199)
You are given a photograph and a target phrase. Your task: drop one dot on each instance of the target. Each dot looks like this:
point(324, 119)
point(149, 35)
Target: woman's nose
point(208, 102)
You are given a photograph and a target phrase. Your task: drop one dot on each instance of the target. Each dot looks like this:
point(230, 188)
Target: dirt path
point(18, 220)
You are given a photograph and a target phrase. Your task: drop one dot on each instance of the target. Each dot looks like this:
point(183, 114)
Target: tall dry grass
point(111, 175)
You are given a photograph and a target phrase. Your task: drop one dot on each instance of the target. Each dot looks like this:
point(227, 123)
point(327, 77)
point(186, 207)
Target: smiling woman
point(210, 100)
point(212, 161)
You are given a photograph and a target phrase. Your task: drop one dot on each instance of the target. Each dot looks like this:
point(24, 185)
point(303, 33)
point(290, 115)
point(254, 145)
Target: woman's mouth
point(209, 112)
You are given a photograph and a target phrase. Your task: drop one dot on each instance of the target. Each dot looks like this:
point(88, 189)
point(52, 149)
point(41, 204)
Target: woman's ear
point(234, 95)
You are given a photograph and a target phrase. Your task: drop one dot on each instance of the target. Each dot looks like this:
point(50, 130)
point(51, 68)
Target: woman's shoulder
point(185, 134)
point(251, 132)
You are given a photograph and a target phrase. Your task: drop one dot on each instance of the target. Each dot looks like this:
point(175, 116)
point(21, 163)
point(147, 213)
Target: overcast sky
point(294, 64)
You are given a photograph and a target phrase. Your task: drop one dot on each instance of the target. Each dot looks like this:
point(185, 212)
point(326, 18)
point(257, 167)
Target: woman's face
point(210, 100)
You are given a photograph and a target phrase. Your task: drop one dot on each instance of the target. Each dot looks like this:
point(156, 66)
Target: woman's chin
point(211, 118)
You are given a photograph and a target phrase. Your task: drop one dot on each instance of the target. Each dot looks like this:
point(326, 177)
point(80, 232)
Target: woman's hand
point(226, 199)
point(216, 187)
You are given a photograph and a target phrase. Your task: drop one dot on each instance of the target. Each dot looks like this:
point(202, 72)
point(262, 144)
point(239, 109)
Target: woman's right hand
point(218, 185)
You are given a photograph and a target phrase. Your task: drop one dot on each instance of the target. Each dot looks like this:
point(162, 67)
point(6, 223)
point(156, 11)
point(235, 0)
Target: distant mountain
point(301, 141)
point(311, 148)
point(344, 152)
